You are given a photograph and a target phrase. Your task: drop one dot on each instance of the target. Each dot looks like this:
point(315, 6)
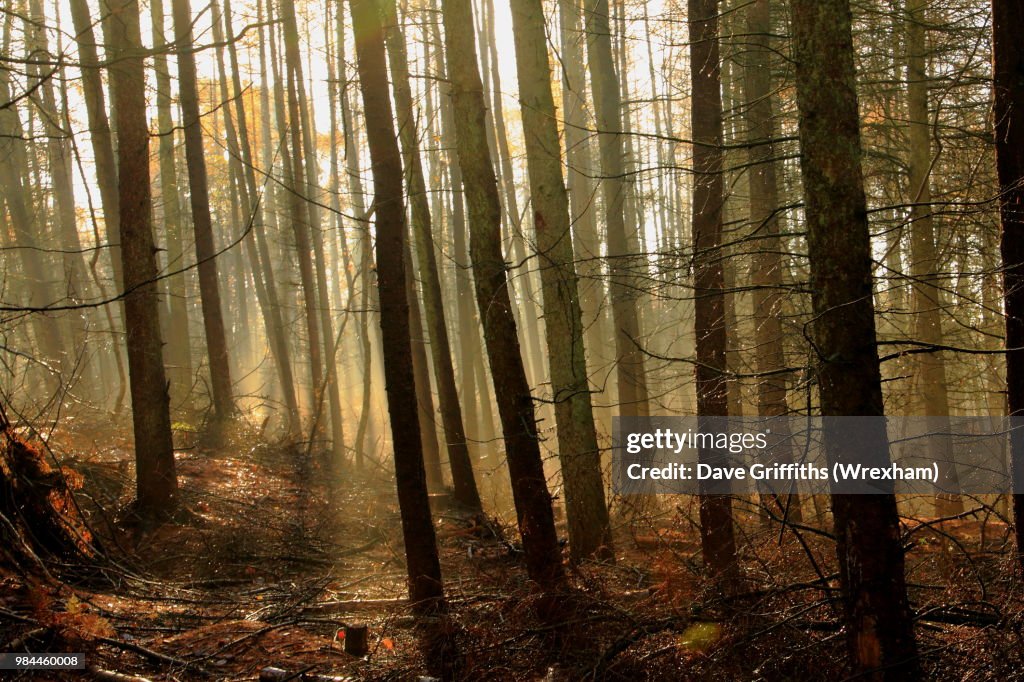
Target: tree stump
point(357, 640)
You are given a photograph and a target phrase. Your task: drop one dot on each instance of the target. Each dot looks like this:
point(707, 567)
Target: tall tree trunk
point(106, 172)
point(289, 133)
point(579, 154)
point(179, 356)
point(924, 265)
point(279, 334)
point(766, 273)
point(256, 244)
point(421, 373)
point(311, 167)
point(366, 344)
point(717, 538)
point(463, 480)
point(589, 528)
point(490, 273)
point(209, 287)
point(880, 634)
point(14, 191)
point(59, 166)
point(471, 351)
point(1008, 76)
point(527, 308)
point(156, 483)
point(424, 569)
point(622, 239)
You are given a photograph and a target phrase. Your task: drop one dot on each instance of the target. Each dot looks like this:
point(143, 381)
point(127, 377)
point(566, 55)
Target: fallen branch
point(19, 642)
point(152, 655)
point(111, 676)
point(271, 674)
point(955, 615)
point(353, 604)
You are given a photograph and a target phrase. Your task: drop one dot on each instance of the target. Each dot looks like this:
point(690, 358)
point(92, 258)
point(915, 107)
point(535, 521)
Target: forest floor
point(264, 569)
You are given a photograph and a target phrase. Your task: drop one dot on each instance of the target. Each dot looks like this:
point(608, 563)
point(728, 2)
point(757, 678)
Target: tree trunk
point(924, 266)
point(717, 539)
point(209, 287)
point(766, 274)
point(14, 191)
point(59, 165)
point(179, 356)
point(880, 634)
point(256, 246)
point(471, 352)
point(1008, 73)
point(622, 240)
point(523, 281)
point(490, 273)
point(156, 483)
point(424, 569)
point(311, 168)
point(589, 528)
point(579, 154)
point(463, 481)
point(421, 373)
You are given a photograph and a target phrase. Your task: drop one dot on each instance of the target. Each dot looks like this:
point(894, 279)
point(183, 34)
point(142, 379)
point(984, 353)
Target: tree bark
point(179, 356)
point(717, 537)
point(156, 484)
point(579, 155)
point(490, 274)
point(463, 481)
point(471, 351)
point(424, 570)
point(578, 453)
point(880, 635)
point(623, 244)
point(924, 266)
point(1008, 76)
point(766, 273)
point(209, 286)
point(311, 167)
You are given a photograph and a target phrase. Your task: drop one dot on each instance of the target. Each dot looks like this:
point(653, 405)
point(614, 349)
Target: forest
point(324, 326)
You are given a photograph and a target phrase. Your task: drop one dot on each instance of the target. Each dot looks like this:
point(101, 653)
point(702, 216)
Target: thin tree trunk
point(58, 160)
point(513, 217)
point(622, 240)
point(880, 635)
point(924, 266)
point(156, 483)
point(179, 354)
point(717, 538)
point(311, 167)
point(365, 270)
point(256, 246)
point(14, 191)
point(421, 373)
point(209, 287)
point(589, 528)
point(471, 351)
point(424, 569)
point(490, 272)
point(579, 155)
point(463, 480)
point(766, 274)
